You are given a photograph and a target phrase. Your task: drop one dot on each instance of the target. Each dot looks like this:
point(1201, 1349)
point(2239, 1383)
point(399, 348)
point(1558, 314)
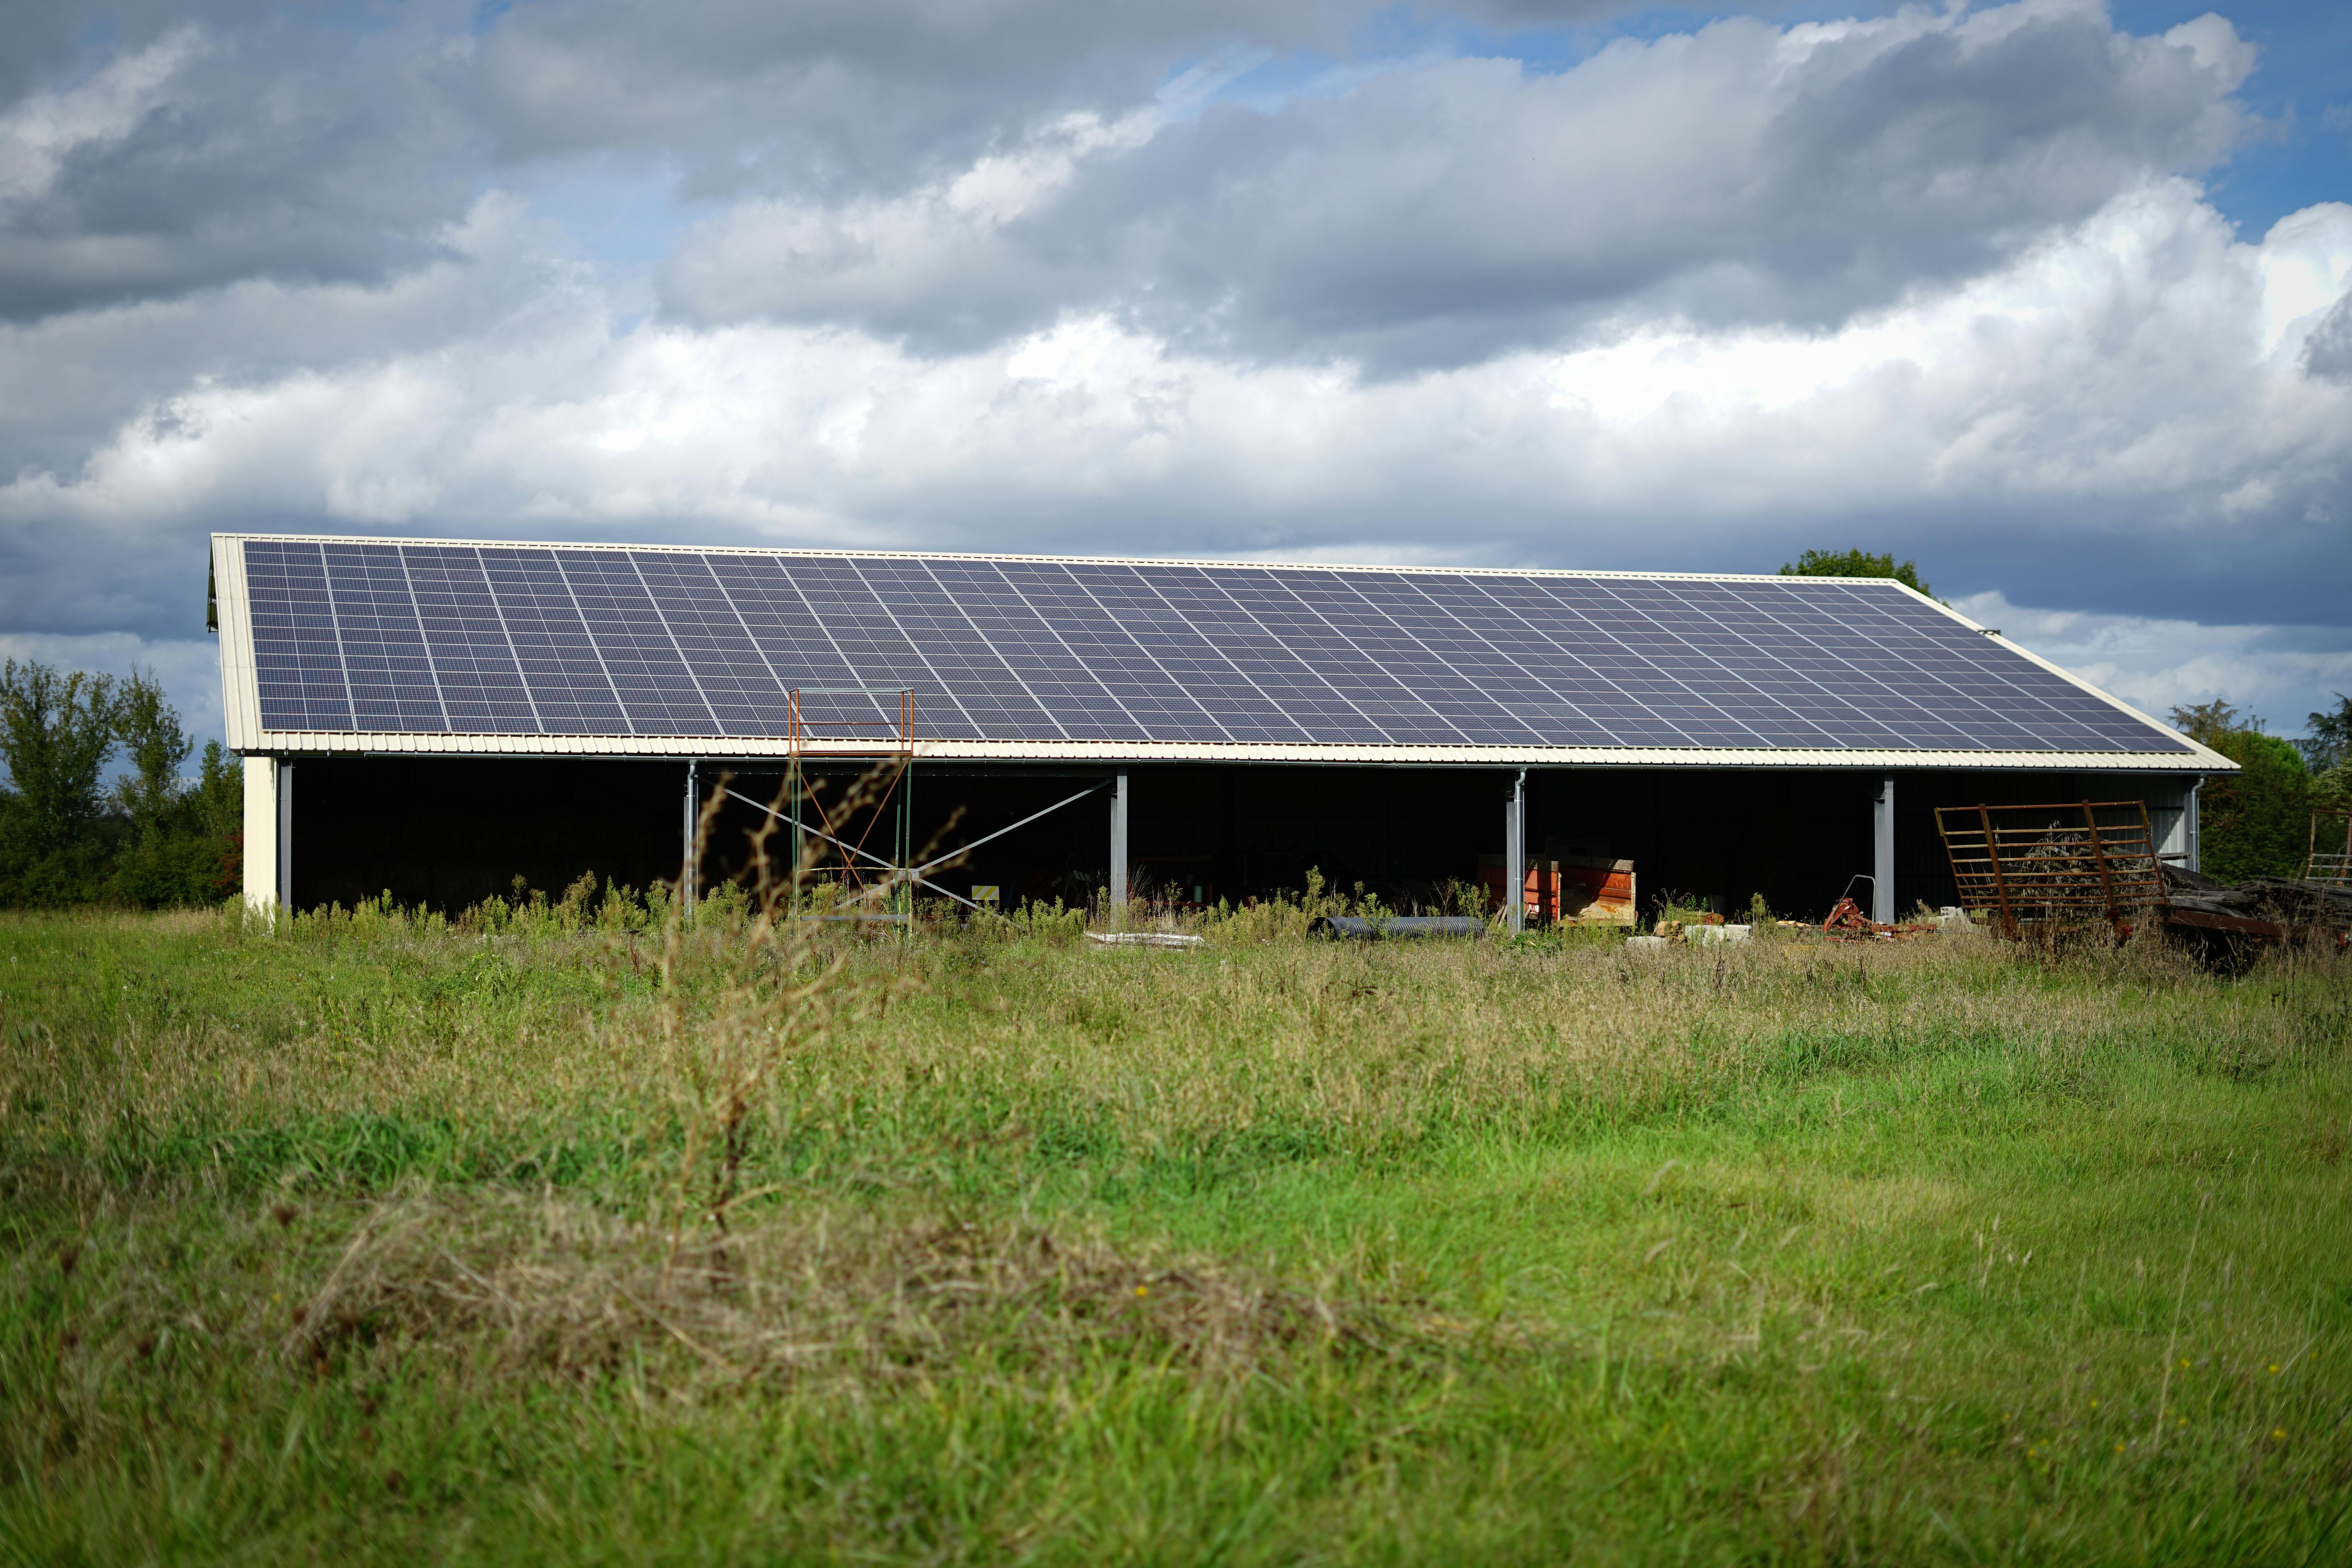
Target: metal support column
point(2189, 821)
point(1882, 843)
point(286, 836)
point(687, 870)
point(792, 788)
point(1118, 852)
point(1515, 855)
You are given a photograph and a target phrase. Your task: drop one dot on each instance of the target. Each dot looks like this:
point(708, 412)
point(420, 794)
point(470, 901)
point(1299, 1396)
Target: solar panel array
point(519, 640)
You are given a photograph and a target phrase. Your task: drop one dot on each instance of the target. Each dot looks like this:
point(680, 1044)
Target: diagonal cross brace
point(1003, 831)
point(915, 875)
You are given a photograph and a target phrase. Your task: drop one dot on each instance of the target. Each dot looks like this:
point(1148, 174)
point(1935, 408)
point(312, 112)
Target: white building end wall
point(261, 856)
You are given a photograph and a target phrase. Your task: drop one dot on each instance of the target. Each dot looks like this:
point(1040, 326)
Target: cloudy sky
point(2054, 297)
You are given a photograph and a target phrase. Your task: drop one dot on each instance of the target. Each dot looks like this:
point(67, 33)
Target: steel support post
point(1118, 852)
point(286, 836)
point(792, 808)
point(1514, 854)
point(687, 891)
point(1882, 843)
point(2189, 821)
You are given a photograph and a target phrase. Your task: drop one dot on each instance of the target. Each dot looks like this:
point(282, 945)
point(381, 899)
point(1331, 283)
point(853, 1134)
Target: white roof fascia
point(240, 695)
point(340, 742)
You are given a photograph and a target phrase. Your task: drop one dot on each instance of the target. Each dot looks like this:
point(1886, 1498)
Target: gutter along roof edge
point(622, 747)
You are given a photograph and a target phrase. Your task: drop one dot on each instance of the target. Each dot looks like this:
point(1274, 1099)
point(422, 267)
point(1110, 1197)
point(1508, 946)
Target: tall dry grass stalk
point(769, 984)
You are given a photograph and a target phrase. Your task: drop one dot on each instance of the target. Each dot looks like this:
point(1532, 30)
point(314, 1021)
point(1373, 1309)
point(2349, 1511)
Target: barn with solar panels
point(434, 719)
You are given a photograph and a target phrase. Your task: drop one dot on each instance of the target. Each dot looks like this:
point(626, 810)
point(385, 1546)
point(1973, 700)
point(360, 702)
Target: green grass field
point(544, 1240)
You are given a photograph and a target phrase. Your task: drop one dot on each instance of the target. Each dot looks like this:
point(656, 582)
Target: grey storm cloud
point(2328, 351)
point(749, 94)
point(1443, 214)
point(147, 149)
point(203, 156)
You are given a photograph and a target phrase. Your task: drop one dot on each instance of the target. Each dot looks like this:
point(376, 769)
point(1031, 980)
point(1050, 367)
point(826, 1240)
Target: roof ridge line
point(869, 554)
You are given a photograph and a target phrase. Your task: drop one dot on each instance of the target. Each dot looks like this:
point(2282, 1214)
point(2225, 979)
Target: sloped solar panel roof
point(345, 644)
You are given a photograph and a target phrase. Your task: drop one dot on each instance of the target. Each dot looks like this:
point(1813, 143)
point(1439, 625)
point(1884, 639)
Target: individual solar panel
point(570, 693)
point(298, 656)
point(481, 681)
point(354, 636)
point(388, 673)
point(639, 651)
point(724, 662)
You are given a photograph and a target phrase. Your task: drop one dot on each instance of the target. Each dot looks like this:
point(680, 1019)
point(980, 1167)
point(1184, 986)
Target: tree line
point(2257, 822)
point(152, 840)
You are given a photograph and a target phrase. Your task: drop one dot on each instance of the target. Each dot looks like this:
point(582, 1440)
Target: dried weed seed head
point(769, 980)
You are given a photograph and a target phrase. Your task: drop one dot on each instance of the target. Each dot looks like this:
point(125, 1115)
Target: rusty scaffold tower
point(836, 726)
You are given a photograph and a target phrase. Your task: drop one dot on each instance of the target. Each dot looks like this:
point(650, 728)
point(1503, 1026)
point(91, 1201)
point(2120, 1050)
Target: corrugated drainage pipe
point(1397, 926)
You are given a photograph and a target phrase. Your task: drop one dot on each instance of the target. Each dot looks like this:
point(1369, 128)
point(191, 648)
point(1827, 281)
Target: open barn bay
point(538, 1237)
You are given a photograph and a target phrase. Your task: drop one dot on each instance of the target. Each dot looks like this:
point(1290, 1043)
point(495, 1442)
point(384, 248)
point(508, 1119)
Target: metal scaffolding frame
point(890, 739)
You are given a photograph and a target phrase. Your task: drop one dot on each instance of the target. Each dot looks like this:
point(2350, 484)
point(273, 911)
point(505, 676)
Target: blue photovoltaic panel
point(361, 638)
point(473, 658)
point(639, 651)
point(298, 655)
point(561, 668)
point(385, 666)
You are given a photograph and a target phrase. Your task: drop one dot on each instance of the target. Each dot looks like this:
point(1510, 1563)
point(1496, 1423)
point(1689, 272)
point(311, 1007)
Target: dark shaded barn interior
point(449, 832)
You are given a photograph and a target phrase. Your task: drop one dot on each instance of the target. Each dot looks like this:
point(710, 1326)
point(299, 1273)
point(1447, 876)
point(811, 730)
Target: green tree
point(2327, 740)
point(156, 747)
point(2207, 722)
point(218, 800)
point(2255, 822)
point(1856, 563)
point(152, 840)
point(56, 731)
